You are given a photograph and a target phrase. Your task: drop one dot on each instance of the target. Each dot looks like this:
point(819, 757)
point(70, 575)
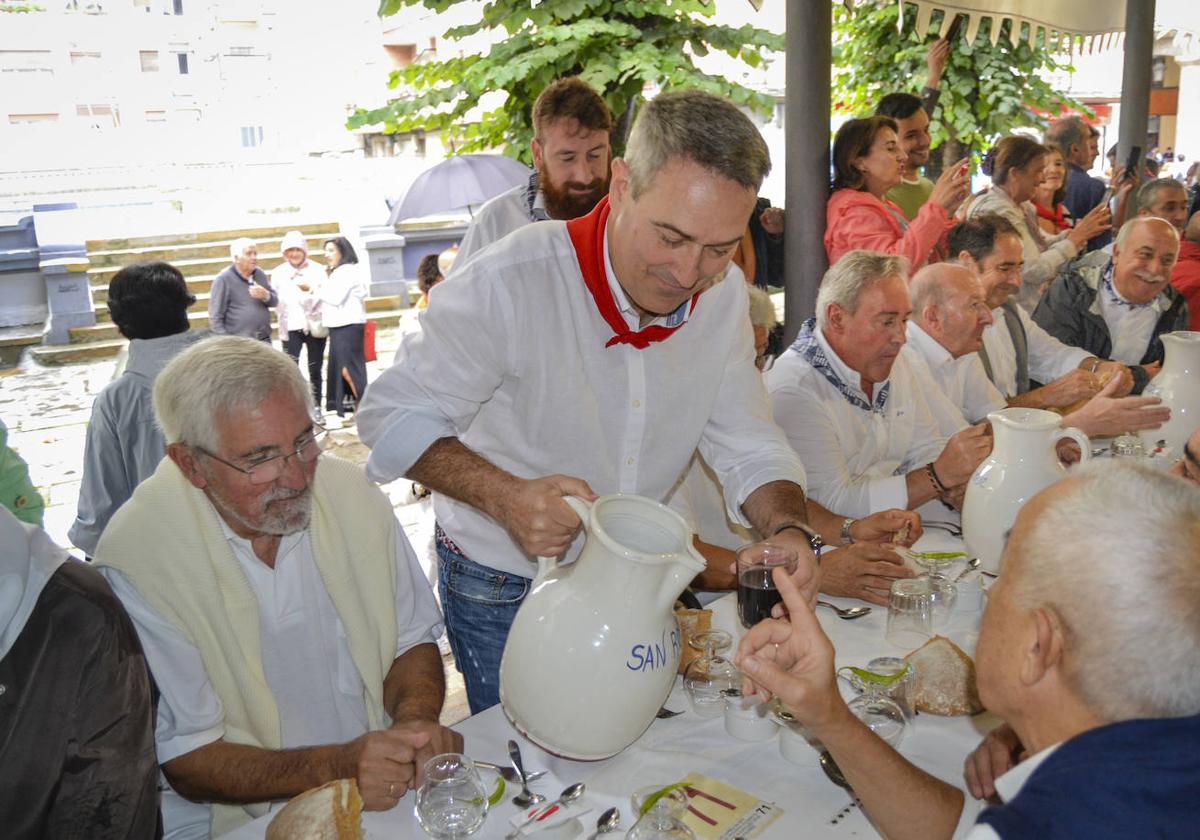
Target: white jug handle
point(1085, 445)
point(583, 510)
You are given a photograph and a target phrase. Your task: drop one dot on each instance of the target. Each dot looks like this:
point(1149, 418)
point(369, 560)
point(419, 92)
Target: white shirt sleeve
point(189, 713)
point(980, 396)
point(1049, 358)
point(418, 619)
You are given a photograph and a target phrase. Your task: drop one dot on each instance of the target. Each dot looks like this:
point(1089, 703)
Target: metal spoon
point(664, 713)
point(526, 797)
point(610, 820)
point(847, 613)
point(972, 565)
point(509, 774)
point(833, 771)
point(570, 794)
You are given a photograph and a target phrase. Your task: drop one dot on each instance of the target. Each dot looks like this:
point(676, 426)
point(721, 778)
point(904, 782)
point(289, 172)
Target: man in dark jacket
point(1117, 307)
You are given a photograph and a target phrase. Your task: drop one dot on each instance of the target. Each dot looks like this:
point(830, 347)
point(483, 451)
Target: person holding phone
point(1084, 192)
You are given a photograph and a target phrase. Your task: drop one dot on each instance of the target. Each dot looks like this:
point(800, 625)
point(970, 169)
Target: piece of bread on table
point(332, 811)
point(691, 623)
point(945, 680)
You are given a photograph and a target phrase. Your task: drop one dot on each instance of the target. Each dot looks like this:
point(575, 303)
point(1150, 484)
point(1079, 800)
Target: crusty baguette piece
point(332, 811)
point(945, 683)
point(691, 623)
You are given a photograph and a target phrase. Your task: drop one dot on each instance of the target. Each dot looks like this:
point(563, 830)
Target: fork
point(508, 773)
point(665, 713)
point(948, 527)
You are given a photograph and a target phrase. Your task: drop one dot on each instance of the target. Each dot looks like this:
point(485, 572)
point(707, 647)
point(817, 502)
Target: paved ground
point(46, 410)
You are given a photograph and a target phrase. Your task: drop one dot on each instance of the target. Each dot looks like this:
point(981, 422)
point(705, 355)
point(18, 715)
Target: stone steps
point(197, 250)
point(226, 236)
point(372, 304)
point(104, 341)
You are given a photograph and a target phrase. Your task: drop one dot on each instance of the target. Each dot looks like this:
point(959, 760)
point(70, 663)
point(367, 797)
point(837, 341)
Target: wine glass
point(663, 819)
point(710, 673)
point(452, 801)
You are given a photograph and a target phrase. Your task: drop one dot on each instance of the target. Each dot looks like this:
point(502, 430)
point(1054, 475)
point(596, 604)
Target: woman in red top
point(867, 162)
point(1053, 217)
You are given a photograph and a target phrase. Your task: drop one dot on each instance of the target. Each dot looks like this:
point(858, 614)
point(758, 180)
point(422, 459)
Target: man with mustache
point(284, 616)
point(1117, 306)
point(853, 407)
point(571, 156)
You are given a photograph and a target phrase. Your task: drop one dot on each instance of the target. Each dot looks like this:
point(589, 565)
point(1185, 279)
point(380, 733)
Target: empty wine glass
point(662, 820)
point(710, 673)
point(452, 801)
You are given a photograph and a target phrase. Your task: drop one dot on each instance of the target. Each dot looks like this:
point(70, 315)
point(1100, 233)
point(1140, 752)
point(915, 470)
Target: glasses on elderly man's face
point(264, 470)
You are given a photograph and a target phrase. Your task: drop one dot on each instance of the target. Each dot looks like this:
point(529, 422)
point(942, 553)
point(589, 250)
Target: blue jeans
point(479, 606)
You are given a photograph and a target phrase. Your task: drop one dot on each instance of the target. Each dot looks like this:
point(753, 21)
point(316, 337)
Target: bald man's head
point(949, 304)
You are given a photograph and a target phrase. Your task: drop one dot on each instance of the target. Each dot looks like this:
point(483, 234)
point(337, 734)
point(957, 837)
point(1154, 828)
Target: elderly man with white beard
point(283, 613)
point(1117, 307)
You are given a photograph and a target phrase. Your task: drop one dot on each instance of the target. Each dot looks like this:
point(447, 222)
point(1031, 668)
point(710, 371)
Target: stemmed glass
point(663, 819)
point(452, 801)
point(710, 673)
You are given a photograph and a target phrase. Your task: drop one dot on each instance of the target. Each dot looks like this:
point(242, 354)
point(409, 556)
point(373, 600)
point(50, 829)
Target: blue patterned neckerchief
point(537, 214)
point(807, 346)
point(1114, 297)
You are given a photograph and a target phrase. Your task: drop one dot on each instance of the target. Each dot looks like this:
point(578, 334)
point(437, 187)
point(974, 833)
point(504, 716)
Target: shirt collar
point(934, 354)
point(814, 349)
point(286, 543)
point(1009, 784)
point(1114, 298)
point(535, 201)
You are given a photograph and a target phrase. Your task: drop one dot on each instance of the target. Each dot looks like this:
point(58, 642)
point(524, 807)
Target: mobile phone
point(1107, 197)
point(1131, 164)
point(953, 31)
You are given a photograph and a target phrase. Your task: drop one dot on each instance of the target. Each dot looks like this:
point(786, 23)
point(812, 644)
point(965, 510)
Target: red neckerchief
point(587, 235)
point(1055, 215)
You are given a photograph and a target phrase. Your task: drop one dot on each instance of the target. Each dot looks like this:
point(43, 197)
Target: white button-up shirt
point(292, 308)
point(495, 220)
point(1049, 358)
point(856, 459)
point(306, 659)
point(512, 361)
point(964, 394)
point(1129, 327)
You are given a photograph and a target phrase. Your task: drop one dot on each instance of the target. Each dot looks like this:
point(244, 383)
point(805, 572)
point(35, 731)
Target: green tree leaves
point(617, 46)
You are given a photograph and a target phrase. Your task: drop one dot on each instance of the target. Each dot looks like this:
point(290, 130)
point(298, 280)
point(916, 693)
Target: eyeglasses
point(266, 470)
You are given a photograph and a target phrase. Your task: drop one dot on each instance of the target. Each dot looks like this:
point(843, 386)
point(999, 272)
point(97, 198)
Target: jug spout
point(679, 574)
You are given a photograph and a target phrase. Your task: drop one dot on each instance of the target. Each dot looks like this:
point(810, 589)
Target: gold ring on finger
point(392, 789)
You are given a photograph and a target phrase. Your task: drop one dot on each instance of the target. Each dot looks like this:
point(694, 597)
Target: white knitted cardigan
point(167, 541)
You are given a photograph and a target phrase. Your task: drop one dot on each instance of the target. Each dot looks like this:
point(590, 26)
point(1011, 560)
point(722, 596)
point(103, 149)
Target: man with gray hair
point(585, 357)
point(241, 298)
point(1096, 676)
point(284, 616)
point(1164, 198)
point(1116, 307)
point(855, 410)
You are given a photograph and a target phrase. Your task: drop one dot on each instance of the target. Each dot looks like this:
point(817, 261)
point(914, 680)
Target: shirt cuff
point(184, 744)
point(403, 444)
point(885, 493)
point(745, 485)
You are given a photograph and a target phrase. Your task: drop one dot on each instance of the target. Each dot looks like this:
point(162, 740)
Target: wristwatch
point(846, 538)
point(814, 539)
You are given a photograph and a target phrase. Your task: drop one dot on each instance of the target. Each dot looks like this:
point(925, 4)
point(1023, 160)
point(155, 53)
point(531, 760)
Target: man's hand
point(1107, 415)
point(438, 739)
point(884, 526)
point(806, 578)
point(258, 292)
point(862, 570)
point(1107, 371)
point(1077, 385)
point(963, 453)
point(537, 517)
point(383, 765)
point(771, 220)
point(791, 659)
point(935, 60)
point(996, 754)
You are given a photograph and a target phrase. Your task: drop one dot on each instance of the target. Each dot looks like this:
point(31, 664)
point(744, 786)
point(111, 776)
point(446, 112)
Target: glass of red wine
point(756, 591)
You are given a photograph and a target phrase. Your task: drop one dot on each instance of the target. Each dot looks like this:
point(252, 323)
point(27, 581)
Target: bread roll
point(945, 680)
point(691, 623)
point(332, 811)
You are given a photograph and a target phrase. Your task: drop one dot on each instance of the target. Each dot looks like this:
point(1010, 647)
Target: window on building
point(99, 115)
point(149, 59)
point(252, 136)
point(177, 7)
point(27, 119)
point(26, 61)
point(86, 58)
point(183, 63)
point(241, 50)
point(156, 116)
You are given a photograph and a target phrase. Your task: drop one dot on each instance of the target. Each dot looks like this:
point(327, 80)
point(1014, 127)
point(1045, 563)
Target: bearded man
point(283, 613)
point(571, 153)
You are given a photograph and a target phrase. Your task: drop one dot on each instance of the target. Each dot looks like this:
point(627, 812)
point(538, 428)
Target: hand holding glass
point(756, 592)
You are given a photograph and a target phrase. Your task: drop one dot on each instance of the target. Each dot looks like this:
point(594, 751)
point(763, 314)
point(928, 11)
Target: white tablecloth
point(672, 748)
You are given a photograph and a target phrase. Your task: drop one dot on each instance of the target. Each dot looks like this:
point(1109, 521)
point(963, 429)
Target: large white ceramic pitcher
point(1024, 461)
point(1178, 385)
point(594, 648)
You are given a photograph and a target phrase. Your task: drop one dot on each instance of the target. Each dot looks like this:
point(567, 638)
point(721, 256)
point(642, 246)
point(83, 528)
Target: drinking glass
point(756, 592)
point(1128, 445)
point(945, 594)
point(452, 801)
point(910, 613)
point(889, 676)
point(664, 819)
point(710, 673)
point(882, 715)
